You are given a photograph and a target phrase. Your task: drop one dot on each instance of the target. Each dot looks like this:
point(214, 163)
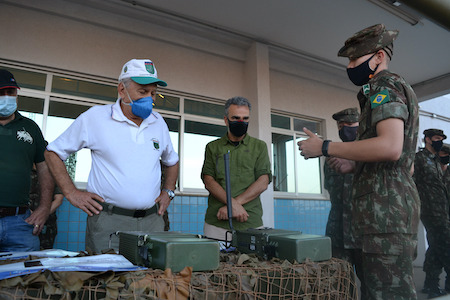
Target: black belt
point(135, 213)
point(12, 211)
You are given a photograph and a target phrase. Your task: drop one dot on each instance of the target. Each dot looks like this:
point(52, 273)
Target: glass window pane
point(308, 173)
point(32, 108)
point(203, 109)
point(311, 125)
point(61, 116)
point(196, 136)
point(167, 102)
point(81, 88)
point(283, 163)
point(281, 121)
point(174, 130)
point(28, 79)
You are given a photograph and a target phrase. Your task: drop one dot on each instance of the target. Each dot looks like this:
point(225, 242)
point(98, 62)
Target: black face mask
point(348, 134)
point(437, 145)
point(360, 75)
point(444, 159)
point(237, 128)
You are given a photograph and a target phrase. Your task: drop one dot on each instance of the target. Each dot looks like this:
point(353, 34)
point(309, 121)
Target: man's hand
point(86, 201)
point(238, 211)
point(164, 202)
point(311, 147)
point(341, 165)
point(38, 218)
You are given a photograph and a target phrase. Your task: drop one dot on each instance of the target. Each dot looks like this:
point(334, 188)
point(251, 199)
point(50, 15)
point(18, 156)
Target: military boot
point(435, 291)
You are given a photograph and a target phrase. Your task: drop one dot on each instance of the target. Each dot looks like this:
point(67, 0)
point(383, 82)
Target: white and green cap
point(141, 71)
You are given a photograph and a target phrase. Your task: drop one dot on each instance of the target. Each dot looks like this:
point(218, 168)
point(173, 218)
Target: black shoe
point(435, 292)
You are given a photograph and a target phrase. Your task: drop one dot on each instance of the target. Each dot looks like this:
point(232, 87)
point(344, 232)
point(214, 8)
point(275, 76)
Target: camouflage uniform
point(49, 231)
point(385, 198)
point(339, 186)
point(429, 179)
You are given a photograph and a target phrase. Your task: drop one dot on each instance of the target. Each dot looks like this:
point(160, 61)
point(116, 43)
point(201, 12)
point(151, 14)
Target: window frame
point(299, 134)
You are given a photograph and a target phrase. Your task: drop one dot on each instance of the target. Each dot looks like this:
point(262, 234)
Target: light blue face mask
point(141, 108)
point(8, 105)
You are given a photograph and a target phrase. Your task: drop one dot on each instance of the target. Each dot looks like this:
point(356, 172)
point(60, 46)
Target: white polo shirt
point(126, 158)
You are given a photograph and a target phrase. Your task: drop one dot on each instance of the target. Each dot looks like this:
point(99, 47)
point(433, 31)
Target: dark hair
point(240, 101)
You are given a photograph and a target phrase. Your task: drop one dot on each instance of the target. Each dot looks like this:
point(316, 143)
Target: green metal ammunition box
point(284, 244)
point(172, 250)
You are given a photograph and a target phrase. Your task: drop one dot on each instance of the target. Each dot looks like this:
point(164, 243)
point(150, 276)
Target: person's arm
point(46, 186)
point(57, 201)
point(171, 175)
point(83, 200)
point(219, 193)
point(254, 190)
point(386, 146)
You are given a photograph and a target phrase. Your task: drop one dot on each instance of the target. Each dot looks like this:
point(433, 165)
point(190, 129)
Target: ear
point(380, 56)
point(121, 89)
point(225, 118)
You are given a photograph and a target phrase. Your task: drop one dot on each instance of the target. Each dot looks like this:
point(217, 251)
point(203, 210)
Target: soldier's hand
point(341, 165)
point(311, 147)
point(164, 202)
point(88, 202)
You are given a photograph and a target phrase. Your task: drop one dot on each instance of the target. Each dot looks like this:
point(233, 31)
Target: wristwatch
point(170, 193)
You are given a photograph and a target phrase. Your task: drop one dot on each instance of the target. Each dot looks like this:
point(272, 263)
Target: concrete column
point(257, 89)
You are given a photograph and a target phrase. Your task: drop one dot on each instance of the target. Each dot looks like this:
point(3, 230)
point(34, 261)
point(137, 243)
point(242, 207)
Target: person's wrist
point(325, 145)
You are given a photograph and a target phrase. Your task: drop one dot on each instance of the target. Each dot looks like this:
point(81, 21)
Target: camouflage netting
point(238, 277)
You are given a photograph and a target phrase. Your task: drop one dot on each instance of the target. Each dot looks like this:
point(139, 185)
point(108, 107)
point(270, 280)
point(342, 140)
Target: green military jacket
point(248, 161)
point(339, 229)
point(429, 179)
point(385, 197)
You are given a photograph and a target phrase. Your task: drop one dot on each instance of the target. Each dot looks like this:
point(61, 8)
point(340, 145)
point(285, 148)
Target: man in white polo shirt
point(128, 143)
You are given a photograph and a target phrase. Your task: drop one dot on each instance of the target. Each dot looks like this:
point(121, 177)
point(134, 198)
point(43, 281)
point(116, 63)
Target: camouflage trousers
point(438, 252)
point(388, 266)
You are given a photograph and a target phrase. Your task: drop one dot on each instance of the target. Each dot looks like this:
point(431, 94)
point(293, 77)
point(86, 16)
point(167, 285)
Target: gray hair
point(126, 81)
point(239, 101)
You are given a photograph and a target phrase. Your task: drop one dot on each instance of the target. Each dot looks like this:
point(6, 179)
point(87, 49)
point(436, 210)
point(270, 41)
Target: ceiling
point(318, 29)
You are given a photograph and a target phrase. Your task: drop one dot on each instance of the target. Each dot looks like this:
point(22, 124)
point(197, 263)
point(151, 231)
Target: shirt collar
point(226, 140)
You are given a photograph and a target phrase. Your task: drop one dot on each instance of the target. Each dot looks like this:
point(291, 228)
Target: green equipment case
point(174, 250)
point(283, 244)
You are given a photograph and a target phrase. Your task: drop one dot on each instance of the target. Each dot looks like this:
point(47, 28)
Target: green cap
point(432, 132)
point(368, 41)
point(350, 115)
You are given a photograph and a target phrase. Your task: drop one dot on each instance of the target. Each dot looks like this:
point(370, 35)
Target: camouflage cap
point(368, 41)
point(347, 115)
point(446, 148)
point(432, 132)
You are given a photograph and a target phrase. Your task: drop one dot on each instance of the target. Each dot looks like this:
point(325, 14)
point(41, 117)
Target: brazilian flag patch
point(380, 98)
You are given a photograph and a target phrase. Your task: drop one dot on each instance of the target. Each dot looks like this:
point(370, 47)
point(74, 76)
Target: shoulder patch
point(380, 98)
point(366, 89)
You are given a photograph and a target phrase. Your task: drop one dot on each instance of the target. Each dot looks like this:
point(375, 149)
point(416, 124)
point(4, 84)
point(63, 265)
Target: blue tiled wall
point(186, 214)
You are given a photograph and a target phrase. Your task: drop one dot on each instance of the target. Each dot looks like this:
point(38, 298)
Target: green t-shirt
point(248, 161)
point(22, 144)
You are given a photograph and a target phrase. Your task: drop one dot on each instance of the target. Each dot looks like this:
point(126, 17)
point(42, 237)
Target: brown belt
point(12, 211)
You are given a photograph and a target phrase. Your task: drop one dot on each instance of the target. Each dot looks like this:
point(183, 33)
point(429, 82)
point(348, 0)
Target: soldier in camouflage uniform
point(385, 198)
point(48, 233)
point(444, 156)
point(429, 178)
point(339, 186)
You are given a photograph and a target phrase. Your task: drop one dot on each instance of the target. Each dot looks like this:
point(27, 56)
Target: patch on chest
point(380, 98)
point(155, 144)
point(23, 135)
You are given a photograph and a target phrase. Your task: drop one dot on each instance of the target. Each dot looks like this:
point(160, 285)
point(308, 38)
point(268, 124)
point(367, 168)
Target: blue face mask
point(8, 105)
point(141, 108)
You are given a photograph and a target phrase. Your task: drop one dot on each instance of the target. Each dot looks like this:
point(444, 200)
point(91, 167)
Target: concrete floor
point(419, 277)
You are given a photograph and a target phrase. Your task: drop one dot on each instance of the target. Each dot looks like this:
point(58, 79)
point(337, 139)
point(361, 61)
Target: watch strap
point(325, 148)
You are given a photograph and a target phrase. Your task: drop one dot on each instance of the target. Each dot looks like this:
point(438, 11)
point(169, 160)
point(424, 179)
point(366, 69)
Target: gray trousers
point(101, 228)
